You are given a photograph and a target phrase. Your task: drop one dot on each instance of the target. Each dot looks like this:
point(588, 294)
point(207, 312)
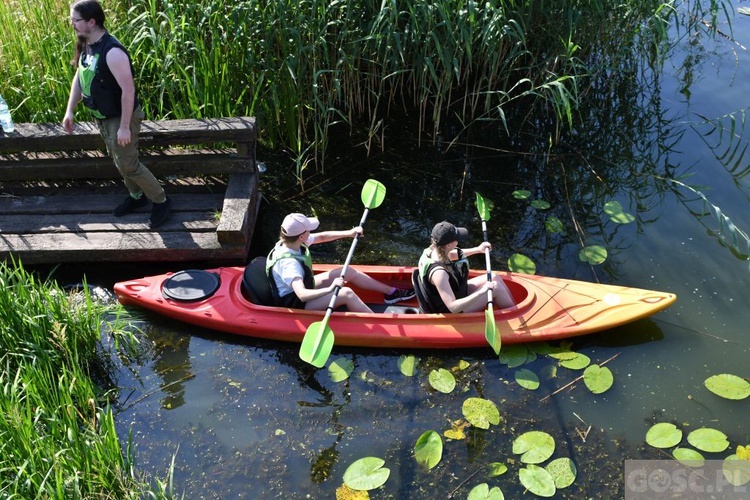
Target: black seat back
point(424, 302)
point(255, 282)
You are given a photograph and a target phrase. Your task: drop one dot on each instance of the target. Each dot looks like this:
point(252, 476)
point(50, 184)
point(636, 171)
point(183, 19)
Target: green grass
point(58, 431)
point(304, 66)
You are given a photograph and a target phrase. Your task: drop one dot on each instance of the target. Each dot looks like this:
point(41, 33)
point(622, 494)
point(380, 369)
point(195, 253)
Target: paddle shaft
point(332, 302)
point(487, 262)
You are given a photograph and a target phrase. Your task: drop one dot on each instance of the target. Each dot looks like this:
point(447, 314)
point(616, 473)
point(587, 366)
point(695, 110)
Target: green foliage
point(534, 447)
point(408, 364)
point(340, 369)
point(481, 412)
point(663, 435)
point(728, 386)
point(428, 450)
point(366, 474)
point(597, 378)
point(442, 380)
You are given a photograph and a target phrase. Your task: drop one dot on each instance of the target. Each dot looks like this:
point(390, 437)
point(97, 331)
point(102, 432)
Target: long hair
point(87, 10)
point(442, 254)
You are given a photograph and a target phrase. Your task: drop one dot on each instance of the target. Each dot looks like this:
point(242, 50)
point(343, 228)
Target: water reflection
point(172, 365)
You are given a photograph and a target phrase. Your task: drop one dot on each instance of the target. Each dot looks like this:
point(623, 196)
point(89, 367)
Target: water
point(247, 419)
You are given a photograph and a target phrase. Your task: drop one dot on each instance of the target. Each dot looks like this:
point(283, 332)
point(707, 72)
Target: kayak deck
point(546, 309)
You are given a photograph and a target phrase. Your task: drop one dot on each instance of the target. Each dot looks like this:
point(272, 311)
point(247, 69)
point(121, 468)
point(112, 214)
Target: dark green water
point(247, 419)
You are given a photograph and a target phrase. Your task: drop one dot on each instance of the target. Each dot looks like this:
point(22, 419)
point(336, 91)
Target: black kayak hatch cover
point(190, 285)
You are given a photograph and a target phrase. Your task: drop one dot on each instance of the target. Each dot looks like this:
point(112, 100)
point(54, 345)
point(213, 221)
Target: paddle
point(318, 340)
point(490, 328)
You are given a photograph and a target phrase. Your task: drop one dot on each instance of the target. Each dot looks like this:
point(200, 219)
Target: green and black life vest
point(303, 258)
point(99, 89)
point(458, 277)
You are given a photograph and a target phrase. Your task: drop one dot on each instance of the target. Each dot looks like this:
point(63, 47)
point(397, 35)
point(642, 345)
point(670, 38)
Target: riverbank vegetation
point(304, 67)
point(58, 429)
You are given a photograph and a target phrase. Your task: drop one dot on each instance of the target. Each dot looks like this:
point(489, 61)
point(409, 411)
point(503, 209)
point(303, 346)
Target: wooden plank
point(100, 166)
point(98, 222)
point(104, 203)
point(238, 211)
point(52, 136)
point(117, 247)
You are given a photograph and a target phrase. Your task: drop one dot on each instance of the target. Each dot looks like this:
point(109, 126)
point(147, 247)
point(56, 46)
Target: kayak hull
point(546, 309)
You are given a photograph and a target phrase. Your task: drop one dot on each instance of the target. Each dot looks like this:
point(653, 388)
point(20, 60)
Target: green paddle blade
point(373, 193)
point(484, 207)
point(317, 344)
point(490, 331)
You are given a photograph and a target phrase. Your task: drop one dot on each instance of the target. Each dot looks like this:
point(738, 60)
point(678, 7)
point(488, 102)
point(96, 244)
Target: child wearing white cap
point(293, 284)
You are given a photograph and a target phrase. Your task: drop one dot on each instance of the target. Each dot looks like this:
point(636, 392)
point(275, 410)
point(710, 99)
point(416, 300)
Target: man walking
point(104, 81)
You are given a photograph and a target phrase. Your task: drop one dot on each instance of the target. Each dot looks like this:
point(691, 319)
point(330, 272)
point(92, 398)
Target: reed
point(59, 434)
point(303, 67)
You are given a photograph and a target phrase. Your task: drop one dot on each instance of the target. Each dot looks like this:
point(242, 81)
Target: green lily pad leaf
point(480, 412)
point(408, 364)
point(540, 204)
point(527, 379)
point(736, 471)
point(535, 447)
point(366, 474)
point(340, 369)
point(708, 440)
point(442, 380)
point(563, 471)
point(563, 355)
point(554, 225)
point(688, 457)
point(496, 469)
point(597, 378)
point(521, 194)
point(462, 365)
point(616, 214)
point(519, 263)
point(663, 435)
point(513, 355)
point(579, 362)
point(483, 492)
point(429, 449)
point(594, 255)
point(538, 481)
point(728, 386)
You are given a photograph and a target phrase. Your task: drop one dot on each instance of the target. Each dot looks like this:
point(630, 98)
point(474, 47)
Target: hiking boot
point(399, 296)
point(159, 213)
point(128, 205)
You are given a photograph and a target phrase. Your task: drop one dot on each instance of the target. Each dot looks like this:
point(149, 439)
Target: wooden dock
point(58, 190)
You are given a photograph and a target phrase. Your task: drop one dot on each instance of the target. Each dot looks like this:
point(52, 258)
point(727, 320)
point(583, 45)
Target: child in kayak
point(444, 275)
point(293, 284)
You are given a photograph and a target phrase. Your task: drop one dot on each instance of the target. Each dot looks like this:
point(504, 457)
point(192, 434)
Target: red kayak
point(547, 309)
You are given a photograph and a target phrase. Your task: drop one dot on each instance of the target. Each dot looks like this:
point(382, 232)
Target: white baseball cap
point(296, 224)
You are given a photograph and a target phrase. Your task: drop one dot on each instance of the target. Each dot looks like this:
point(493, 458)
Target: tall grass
point(58, 432)
point(302, 66)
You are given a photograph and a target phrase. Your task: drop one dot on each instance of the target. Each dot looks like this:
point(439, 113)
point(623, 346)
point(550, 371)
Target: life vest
point(458, 277)
point(303, 258)
point(99, 90)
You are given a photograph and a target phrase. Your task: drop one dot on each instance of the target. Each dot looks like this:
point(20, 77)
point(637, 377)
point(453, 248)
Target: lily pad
point(429, 449)
point(579, 362)
point(344, 492)
point(513, 355)
point(457, 430)
point(442, 380)
point(554, 225)
point(708, 440)
point(480, 412)
point(598, 378)
point(743, 452)
point(519, 263)
point(688, 457)
point(663, 435)
point(563, 355)
point(535, 447)
point(483, 492)
point(616, 213)
point(540, 204)
point(728, 386)
point(521, 194)
point(366, 474)
point(496, 469)
point(736, 471)
point(408, 364)
point(563, 471)
point(340, 369)
point(594, 255)
point(538, 481)
point(527, 379)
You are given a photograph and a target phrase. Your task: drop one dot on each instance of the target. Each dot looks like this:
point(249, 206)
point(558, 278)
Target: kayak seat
point(424, 303)
point(255, 282)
